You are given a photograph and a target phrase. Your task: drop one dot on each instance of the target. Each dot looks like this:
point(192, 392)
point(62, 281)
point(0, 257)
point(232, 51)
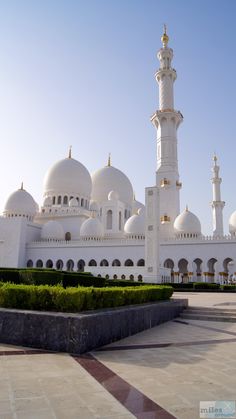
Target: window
point(109, 220)
point(141, 262)
point(53, 200)
point(65, 200)
point(116, 262)
point(104, 262)
point(92, 262)
point(59, 200)
point(119, 220)
point(68, 236)
point(129, 262)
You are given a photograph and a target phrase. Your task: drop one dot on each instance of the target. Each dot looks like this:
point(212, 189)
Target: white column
point(166, 121)
point(217, 205)
point(152, 243)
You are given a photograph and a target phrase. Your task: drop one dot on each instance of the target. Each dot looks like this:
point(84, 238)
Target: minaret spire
point(70, 148)
point(217, 205)
point(164, 38)
point(166, 121)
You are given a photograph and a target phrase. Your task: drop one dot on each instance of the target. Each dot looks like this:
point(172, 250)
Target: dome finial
point(186, 208)
point(70, 152)
point(214, 158)
point(22, 186)
point(165, 37)
point(109, 160)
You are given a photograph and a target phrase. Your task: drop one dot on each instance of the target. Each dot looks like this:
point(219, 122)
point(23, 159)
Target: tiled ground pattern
point(169, 368)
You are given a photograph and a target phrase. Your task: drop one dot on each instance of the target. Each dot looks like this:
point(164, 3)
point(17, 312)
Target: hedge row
point(195, 285)
point(38, 276)
point(50, 277)
point(46, 298)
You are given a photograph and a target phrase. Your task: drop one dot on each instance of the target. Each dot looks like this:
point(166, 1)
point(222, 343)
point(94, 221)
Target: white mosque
point(93, 222)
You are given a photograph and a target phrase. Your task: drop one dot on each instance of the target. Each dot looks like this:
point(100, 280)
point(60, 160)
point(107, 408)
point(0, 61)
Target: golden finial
point(70, 152)
point(164, 38)
point(109, 160)
point(22, 186)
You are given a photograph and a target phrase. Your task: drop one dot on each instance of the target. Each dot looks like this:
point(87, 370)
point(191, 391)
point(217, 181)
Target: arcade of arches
point(197, 270)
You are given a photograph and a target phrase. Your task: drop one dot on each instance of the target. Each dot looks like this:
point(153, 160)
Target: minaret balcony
point(164, 183)
point(179, 184)
point(165, 219)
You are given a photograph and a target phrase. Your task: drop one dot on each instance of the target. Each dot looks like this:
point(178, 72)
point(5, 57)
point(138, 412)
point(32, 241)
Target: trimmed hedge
point(181, 285)
point(123, 283)
point(75, 280)
point(206, 285)
point(46, 298)
point(229, 287)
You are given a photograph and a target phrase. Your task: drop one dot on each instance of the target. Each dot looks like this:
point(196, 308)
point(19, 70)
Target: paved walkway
point(160, 373)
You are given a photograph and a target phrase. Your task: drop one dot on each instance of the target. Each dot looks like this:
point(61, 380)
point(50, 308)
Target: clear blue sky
point(81, 73)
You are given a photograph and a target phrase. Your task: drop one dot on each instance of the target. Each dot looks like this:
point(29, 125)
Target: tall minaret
point(217, 205)
point(167, 120)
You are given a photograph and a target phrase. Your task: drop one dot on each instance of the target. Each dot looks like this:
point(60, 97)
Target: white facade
point(93, 222)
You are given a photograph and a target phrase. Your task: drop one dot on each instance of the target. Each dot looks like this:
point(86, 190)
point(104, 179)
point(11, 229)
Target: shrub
point(44, 297)
point(122, 283)
point(206, 285)
point(229, 287)
point(40, 277)
point(79, 279)
point(182, 285)
point(10, 275)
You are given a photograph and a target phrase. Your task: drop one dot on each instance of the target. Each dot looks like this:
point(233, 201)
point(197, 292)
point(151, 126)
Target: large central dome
point(68, 176)
point(110, 179)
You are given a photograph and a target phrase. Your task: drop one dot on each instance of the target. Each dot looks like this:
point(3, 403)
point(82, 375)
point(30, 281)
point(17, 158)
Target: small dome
point(20, 203)
point(92, 227)
point(187, 223)
point(68, 176)
point(93, 206)
point(73, 202)
point(113, 196)
point(47, 201)
point(135, 224)
point(110, 179)
point(232, 223)
point(52, 230)
point(136, 205)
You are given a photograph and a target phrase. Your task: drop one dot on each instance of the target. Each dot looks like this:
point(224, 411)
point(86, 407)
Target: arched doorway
point(39, 263)
point(211, 269)
point(49, 264)
point(183, 270)
point(197, 268)
point(70, 265)
point(81, 265)
point(59, 265)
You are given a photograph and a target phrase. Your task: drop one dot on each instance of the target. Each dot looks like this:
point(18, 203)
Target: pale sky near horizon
point(81, 73)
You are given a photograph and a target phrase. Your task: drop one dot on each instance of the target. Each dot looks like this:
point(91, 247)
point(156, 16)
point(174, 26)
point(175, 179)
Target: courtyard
point(162, 372)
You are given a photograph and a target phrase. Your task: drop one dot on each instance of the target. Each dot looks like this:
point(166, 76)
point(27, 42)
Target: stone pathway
point(160, 373)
